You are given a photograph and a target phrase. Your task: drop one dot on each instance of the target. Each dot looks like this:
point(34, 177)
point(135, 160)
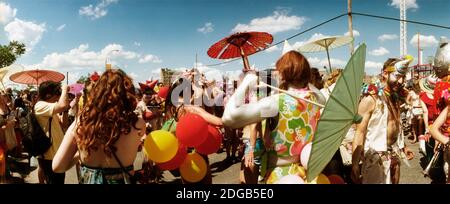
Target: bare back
point(127, 148)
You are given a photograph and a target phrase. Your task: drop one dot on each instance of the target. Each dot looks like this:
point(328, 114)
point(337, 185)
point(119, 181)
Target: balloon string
point(291, 94)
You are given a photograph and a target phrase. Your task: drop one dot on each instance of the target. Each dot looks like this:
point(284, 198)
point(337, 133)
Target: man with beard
point(377, 142)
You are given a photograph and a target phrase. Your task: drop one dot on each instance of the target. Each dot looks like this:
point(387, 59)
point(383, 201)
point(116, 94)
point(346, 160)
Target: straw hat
point(427, 84)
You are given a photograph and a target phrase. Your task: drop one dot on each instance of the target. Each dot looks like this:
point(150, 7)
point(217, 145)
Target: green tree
point(83, 79)
point(10, 52)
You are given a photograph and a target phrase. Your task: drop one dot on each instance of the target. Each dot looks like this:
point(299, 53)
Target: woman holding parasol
point(295, 120)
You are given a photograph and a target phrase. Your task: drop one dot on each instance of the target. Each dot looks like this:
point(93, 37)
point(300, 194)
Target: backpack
point(36, 141)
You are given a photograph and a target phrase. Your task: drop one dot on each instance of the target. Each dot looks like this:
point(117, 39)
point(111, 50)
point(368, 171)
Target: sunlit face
point(395, 80)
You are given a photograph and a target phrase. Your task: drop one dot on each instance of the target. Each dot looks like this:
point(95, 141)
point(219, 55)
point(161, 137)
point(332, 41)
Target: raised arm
point(210, 118)
point(63, 102)
point(66, 157)
point(237, 114)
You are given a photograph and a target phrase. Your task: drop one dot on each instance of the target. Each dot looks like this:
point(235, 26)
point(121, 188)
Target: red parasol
point(36, 77)
point(240, 45)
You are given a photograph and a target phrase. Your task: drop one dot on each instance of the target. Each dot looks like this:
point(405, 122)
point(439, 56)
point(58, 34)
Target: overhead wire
point(335, 18)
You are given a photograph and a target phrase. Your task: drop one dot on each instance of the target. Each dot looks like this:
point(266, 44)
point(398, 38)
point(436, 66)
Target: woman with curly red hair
point(107, 133)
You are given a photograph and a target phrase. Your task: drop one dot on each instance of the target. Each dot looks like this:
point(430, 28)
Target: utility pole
point(196, 60)
point(350, 23)
point(403, 32)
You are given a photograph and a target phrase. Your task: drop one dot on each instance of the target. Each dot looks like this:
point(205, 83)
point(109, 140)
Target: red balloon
point(335, 179)
point(163, 91)
point(176, 161)
point(192, 130)
point(212, 143)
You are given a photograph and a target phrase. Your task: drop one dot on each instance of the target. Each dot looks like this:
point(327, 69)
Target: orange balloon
point(193, 168)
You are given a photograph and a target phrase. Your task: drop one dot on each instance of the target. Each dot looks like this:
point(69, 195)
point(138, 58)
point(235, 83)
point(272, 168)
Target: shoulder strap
point(50, 128)
point(121, 166)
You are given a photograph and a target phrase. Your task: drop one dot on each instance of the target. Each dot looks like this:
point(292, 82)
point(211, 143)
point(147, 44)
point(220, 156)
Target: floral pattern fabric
point(297, 121)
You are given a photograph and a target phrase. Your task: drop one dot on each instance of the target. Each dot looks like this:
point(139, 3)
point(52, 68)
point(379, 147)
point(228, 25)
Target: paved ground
point(223, 172)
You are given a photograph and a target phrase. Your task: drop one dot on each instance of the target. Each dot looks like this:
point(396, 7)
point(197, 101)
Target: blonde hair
point(334, 76)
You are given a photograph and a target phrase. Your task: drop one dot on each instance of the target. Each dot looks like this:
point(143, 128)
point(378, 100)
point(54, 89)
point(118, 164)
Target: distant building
point(421, 71)
point(167, 75)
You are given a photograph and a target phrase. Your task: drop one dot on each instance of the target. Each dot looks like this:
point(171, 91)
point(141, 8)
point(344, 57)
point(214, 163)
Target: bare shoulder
point(367, 103)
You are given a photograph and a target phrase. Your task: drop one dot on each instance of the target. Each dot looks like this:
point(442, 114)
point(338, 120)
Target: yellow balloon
point(194, 168)
point(322, 179)
point(160, 146)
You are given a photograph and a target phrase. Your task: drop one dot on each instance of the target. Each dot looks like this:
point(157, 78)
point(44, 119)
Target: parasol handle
point(245, 60)
point(292, 95)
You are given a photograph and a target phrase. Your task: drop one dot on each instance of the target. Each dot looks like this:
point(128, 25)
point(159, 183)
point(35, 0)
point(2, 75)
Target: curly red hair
point(108, 112)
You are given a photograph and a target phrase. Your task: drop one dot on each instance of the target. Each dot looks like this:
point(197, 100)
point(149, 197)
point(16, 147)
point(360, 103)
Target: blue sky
point(76, 36)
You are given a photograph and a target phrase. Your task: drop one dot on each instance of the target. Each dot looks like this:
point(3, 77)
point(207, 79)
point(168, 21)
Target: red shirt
point(433, 111)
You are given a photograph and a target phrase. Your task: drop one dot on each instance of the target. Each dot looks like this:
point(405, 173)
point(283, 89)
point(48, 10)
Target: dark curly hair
point(108, 112)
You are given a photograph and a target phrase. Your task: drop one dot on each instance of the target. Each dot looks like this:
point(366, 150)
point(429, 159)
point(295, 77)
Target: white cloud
point(385, 37)
point(207, 28)
point(372, 64)
point(409, 4)
point(425, 41)
point(97, 11)
point(355, 33)
point(278, 22)
point(150, 58)
point(298, 44)
point(137, 43)
point(61, 27)
point(82, 58)
point(26, 32)
point(372, 67)
point(6, 13)
point(320, 63)
point(379, 52)
point(133, 75)
point(73, 77)
point(217, 74)
point(117, 51)
point(315, 36)
point(272, 49)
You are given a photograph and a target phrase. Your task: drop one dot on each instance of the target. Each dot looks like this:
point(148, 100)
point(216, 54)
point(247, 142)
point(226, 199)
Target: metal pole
point(350, 23)
point(418, 48)
point(245, 60)
point(328, 55)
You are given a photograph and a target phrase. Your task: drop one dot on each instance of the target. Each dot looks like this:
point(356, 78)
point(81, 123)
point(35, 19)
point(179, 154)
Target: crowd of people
point(101, 131)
